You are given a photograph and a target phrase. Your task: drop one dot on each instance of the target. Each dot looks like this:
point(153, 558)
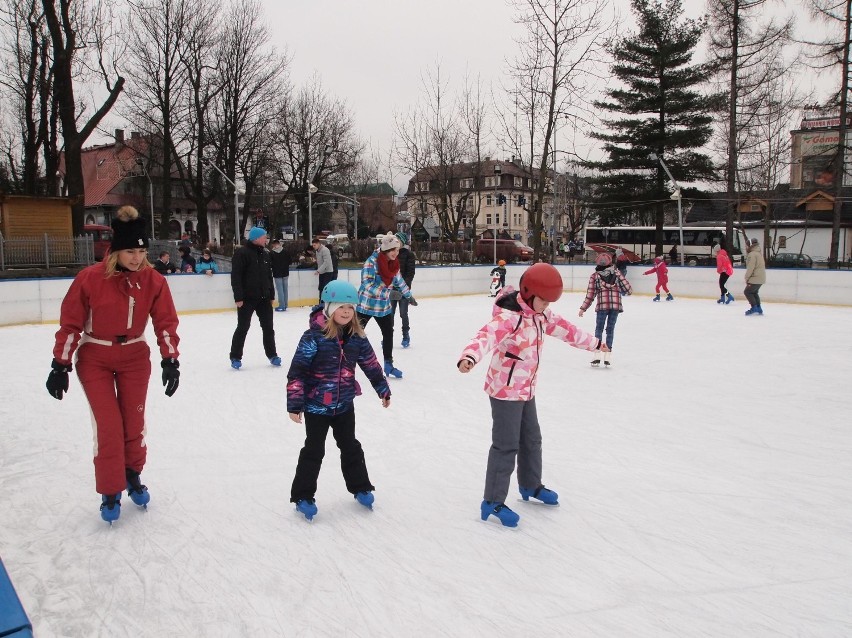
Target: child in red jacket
point(662, 277)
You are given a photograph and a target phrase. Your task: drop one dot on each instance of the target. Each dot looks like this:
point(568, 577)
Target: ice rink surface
point(704, 484)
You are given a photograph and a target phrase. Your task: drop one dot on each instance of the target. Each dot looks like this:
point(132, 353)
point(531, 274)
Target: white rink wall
point(38, 300)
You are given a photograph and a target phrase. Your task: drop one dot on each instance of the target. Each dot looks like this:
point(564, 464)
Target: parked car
point(511, 250)
point(101, 236)
point(790, 260)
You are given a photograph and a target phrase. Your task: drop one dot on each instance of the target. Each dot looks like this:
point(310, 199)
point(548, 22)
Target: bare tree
point(315, 142)
point(833, 51)
point(157, 79)
point(745, 51)
point(28, 89)
point(251, 87)
point(564, 41)
point(76, 29)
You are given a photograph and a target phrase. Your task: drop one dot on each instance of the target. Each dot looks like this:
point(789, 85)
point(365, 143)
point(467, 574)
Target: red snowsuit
point(662, 274)
point(106, 318)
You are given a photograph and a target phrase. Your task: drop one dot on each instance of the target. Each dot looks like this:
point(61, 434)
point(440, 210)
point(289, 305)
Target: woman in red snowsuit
point(662, 278)
point(103, 320)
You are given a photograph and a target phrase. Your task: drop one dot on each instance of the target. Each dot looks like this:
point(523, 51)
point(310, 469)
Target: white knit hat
point(332, 306)
point(389, 242)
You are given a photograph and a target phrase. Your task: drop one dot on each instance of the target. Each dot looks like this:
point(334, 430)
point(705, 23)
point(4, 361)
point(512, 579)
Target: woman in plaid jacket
point(607, 284)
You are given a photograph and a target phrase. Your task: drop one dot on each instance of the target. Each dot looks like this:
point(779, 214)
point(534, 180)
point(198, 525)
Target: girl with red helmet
point(515, 333)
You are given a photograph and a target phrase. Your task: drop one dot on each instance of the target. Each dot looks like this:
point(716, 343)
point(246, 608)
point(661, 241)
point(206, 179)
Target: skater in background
point(621, 262)
point(187, 261)
point(407, 269)
point(251, 282)
point(673, 255)
point(325, 265)
point(498, 277)
point(164, 265)
point(662, 271)
point(607, 285)
point(103, 320)
point(321, 384)
point(725, 269)
point(280, 273)
point(520, 320)
point(206, 264)
point(755, 277)
point(380, 281)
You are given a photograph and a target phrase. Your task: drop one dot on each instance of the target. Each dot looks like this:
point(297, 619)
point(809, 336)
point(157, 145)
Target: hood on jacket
point(317, 319)
point(510, 299)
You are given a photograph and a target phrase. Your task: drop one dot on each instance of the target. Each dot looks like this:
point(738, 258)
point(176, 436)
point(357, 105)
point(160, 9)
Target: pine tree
point(657, 108)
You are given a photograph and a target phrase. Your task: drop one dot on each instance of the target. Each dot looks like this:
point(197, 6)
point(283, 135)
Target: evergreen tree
point(657, 108)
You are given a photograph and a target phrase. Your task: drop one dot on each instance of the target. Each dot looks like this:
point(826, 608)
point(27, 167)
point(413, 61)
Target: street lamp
point(497, 172)
point(311, 190)
point(236, 201)
point(351, 200)
point(150, 193)
point(676, 195)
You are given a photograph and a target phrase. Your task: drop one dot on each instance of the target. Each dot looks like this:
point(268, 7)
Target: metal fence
point(46, 252)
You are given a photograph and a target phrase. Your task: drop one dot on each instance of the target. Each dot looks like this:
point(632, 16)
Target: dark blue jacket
point(321, 379)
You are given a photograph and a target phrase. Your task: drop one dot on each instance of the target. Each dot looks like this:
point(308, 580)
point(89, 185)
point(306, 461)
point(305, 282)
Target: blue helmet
point(339, 292)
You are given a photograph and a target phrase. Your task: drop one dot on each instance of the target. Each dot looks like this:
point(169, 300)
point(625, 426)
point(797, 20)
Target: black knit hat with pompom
point(128, 230)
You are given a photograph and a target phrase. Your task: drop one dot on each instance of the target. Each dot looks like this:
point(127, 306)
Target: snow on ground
point(704, 488)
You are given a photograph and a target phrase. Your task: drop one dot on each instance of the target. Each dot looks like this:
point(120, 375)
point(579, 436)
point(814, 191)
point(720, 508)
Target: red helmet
point(542, 281)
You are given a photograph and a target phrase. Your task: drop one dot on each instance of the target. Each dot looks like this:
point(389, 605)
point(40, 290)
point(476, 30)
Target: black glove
point(395, 295)
point(171, 375)
point(412, 300)
point(57, 380)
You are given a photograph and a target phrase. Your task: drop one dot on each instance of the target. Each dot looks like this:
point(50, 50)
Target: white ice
point(704, 484)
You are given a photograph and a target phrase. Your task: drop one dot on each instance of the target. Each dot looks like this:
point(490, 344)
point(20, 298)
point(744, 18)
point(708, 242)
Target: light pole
point(676, 195)
point(236, 202)
point(313, 189)
point(498, 170)
point(150, 193)
point(351, 200)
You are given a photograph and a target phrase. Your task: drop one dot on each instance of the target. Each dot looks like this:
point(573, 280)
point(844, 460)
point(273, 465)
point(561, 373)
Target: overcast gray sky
point(373, 53)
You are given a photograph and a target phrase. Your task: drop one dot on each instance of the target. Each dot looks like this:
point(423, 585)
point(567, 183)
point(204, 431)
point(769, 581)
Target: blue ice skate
point(365, 498)
point(670, 297)
point(307, 507)
point(541, 493)
point(236, 364)
point(110, 507)
point(657, 298)
point(406, 341)
point(721, 299)
point(390, 371)
point(729, 299)
point(137, 492)
point(276, 361)
point(506, 516)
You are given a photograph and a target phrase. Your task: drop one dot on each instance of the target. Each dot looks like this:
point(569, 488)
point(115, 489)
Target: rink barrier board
point(25, 301)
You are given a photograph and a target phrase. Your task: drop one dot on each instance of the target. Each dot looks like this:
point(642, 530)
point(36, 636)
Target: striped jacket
point(607, 286)
point(516, 335)
point(321, 379)
point(374, 295)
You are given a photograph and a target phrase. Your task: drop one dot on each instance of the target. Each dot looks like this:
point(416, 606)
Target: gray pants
point(515, 433)
point(751, 295)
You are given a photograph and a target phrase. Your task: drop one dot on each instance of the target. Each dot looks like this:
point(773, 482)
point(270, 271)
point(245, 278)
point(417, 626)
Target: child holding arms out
point(607, 284)
point(515, 334)
point(321, 384)
point(662, 271)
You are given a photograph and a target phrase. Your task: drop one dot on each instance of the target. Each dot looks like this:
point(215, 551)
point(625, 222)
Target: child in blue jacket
point(321, 383)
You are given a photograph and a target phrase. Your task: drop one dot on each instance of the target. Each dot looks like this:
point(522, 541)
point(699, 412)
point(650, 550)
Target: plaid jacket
point(608, 294)
point(373, 295)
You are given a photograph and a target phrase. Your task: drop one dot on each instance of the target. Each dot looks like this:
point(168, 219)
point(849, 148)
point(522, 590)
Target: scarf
point(387, 268)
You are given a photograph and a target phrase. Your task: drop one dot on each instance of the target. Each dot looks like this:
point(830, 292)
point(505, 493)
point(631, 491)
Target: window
point(488, 219)
point(755, 208)
point(421, 187)
point(492, 181)
point(466, 183)
point(488, 200)
point(782, 241)
point(519, 182)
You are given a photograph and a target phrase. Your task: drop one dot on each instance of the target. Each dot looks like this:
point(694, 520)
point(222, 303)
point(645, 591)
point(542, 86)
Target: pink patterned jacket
point(515, 334)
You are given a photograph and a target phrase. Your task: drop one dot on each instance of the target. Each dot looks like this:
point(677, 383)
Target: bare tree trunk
point(732, 128)
point(839, 160)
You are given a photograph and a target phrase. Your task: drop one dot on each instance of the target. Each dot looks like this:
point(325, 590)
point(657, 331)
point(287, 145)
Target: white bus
point(698, 241)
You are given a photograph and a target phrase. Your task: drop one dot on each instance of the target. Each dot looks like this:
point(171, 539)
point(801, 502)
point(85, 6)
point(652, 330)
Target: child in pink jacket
point(725, 270)
point(515, 334)
point(662, 271)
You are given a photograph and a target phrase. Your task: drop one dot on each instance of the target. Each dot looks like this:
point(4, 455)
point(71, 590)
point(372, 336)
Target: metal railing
point(46, 251)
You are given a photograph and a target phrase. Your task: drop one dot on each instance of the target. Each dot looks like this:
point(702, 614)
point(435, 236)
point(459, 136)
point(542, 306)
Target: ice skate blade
point(537, 502)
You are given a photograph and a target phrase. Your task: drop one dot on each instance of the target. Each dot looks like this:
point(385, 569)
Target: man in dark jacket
point(163, 265)
point(251, 281)
point(280, 273)
point(406, 269)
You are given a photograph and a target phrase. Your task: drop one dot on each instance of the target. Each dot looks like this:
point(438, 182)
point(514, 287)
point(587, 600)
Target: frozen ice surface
point(704, 484)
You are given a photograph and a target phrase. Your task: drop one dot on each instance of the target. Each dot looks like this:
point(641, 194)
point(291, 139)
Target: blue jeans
point(281, 291)
point(608, 318)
